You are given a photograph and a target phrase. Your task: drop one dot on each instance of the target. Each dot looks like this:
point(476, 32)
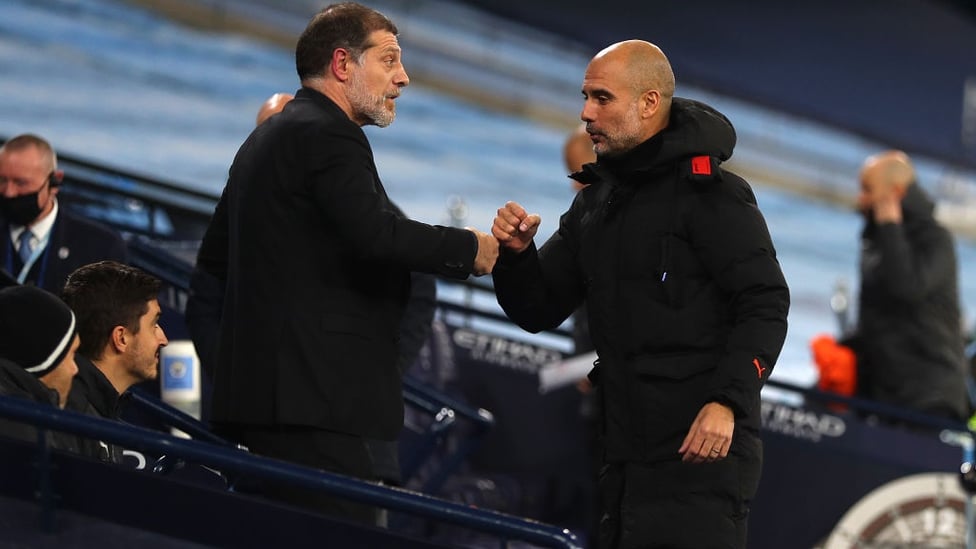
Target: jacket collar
point(100, 392)
point(16, 381)
point(694, 129)
point(323, 101)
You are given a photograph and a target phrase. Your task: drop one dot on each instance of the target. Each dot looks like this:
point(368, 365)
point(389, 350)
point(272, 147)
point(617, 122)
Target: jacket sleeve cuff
point(738, 381)
point(513, 260)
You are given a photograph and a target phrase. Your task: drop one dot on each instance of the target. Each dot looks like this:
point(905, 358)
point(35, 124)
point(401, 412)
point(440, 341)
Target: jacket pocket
point(677, 367)
point(667, 394)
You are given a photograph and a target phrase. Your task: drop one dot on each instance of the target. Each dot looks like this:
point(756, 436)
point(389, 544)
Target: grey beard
point(371, 108)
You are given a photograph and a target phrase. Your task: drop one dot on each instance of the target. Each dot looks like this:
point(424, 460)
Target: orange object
point(837, 365)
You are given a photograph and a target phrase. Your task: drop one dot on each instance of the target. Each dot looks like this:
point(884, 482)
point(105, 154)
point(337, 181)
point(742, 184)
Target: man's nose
point(586, 115)
point(7, 189)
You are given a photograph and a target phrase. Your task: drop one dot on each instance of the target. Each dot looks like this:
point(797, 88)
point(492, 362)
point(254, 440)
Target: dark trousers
point(334, 452)
point(677, 505)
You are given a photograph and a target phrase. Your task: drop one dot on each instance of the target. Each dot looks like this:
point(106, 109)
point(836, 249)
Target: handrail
point(228, 459)
point(174, 418)
point(148, 256)
point(888, 411)
point(120, 179)
point(482, 419)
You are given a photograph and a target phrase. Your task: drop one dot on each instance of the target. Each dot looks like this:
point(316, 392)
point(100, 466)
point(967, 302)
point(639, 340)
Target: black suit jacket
point(74, 242)
point(316, 264)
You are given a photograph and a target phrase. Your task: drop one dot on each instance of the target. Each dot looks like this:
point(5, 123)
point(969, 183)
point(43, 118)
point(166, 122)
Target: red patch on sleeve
point(701, 165)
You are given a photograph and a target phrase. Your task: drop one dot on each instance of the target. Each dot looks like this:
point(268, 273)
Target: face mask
point(20, 210)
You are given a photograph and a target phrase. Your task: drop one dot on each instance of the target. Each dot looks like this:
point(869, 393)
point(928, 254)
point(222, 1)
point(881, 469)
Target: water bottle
point(179, 378)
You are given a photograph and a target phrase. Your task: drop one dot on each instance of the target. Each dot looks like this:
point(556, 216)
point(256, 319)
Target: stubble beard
point(369, 107)
point(619, 140)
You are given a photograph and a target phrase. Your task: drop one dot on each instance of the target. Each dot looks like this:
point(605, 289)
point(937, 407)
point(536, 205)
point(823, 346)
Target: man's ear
point(119, 339)
point(54, 181)
point(339, 65)
point(651, 102)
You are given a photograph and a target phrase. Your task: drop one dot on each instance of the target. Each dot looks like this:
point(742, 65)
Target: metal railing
point(888, 412)
point(229, 460)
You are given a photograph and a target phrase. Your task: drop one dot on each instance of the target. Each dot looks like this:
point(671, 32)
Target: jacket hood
point(916, 204)
point(694, 129)
point(697, 129)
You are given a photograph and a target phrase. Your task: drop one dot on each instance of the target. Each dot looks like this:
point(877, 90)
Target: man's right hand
point(514, 228)
point(484, 260)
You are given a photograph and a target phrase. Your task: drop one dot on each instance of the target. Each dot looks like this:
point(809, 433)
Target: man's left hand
point(888, 208)
point(710, 435)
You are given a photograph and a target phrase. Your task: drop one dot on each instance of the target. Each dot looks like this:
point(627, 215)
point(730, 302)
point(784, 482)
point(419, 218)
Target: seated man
point(38, 341)
point(118, 320)
point(40, 243)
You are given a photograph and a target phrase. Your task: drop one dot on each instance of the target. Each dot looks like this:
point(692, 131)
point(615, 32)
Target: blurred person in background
point(577, 151)
point(118, 314)
point(206, 293)
point(909, 337)
point(687, 304)
point(43, 243)
point(272, 106)
point(315, 261)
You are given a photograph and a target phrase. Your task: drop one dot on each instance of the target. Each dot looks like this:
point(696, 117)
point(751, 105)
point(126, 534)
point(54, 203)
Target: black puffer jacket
point(909, 340)
point(687, 303)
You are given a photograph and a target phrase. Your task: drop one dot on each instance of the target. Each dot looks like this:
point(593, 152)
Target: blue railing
point(171, 417)
point(444, 410)
point(228, 460)
point(887, 412)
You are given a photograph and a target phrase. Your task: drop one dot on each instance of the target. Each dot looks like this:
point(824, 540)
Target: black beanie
point(36, 328)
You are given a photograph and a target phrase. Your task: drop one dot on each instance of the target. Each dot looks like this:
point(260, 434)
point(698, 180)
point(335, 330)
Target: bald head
point(578, 150)
point(884, 175)
point(273, 106)
point(644, 66)
point(891, 168)
point(627, 89)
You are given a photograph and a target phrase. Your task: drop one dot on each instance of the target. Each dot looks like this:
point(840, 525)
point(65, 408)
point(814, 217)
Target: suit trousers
point(331, 451)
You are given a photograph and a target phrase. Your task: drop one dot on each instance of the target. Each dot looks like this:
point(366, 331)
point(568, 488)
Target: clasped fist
point(514, 228)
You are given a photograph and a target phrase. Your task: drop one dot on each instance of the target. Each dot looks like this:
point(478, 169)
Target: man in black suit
point(204, 307)
point(316, 263)
point(42, 243)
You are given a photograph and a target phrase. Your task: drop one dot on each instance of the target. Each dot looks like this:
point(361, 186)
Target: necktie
point(26, 249)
